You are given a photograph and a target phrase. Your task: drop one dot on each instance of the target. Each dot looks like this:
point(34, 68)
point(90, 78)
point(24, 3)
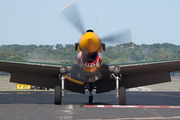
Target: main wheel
point(57, 95)
point(122, 96)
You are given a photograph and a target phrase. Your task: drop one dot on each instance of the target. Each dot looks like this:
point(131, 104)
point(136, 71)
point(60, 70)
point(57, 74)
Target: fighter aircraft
point(90, 72)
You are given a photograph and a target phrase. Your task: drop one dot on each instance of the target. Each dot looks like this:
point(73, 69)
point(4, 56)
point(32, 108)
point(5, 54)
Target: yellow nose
point(90, 41)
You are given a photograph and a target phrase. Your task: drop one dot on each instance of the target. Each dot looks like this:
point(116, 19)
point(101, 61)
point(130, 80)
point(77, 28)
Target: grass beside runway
point(5, 85)
point(174, 85)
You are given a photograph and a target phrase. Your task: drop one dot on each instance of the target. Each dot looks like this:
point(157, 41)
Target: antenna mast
point(96, 20)
point(132, 36)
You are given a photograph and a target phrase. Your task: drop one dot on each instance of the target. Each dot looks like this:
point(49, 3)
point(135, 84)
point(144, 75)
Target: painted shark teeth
point(96, 63)
point(89, 64)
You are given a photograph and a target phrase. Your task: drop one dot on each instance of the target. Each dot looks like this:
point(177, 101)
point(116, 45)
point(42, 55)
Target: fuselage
point(89, 52)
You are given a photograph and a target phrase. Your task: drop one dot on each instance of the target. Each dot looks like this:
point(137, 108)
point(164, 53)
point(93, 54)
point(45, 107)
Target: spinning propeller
point(71, 13)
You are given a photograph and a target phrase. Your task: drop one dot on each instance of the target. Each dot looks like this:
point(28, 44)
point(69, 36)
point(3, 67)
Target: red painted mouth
point(89, 59)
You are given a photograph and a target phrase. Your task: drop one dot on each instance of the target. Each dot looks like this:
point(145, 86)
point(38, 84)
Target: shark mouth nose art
point(89, 59)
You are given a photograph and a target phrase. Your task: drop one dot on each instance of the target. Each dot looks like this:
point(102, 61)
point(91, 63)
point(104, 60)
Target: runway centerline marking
point(130, 106)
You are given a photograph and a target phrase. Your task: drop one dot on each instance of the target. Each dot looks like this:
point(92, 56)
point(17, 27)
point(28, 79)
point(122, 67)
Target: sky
point(38, 22)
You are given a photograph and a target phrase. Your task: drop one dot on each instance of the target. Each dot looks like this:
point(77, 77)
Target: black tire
point(122, 96)
point(90, 99)
point(57, 95)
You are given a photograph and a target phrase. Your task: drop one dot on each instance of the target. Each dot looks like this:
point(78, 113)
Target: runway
point(39, 105)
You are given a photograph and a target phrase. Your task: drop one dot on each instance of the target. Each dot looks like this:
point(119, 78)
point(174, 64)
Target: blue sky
point(38, 21)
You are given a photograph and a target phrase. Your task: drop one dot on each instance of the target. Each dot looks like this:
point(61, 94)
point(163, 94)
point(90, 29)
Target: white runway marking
point(130, 106)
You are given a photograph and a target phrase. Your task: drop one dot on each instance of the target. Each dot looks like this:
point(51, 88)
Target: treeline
point(126, 53)
point(10, 56)
point(42, 52)
point(114, 54)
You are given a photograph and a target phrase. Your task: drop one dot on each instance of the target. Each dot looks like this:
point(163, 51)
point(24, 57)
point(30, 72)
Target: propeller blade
point(71, 13)
point(119, 37)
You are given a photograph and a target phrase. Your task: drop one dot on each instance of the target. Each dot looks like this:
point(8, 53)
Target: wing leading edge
point(133, 75)
point(32, 73)
point(147, 73)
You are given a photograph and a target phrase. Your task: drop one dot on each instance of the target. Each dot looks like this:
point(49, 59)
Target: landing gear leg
point(90, 87)
point(120, 91)
point(90, 98)
point(59, 91)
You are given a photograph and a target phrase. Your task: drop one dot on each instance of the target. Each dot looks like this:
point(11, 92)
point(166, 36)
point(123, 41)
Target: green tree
point(161, 55)
point(149, 59)
point(5, 55)
point(59, 46)
point(122, 59)
point(16, 58)
point(106, 60)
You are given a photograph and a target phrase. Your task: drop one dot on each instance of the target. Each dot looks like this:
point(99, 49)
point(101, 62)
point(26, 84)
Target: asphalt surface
point(40, 106)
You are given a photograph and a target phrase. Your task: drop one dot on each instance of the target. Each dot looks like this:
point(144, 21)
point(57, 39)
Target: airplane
point(90, 72)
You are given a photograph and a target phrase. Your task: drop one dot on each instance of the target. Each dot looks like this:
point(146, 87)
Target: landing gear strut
point(90, 98)
point(90, 87)
point(120, 91)
point(59, 92)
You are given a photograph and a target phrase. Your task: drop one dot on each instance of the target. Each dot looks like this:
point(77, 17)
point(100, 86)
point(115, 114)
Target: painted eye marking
point(80, 59)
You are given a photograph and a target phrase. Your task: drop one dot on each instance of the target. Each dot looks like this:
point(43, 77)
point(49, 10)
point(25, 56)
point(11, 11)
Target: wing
point(147, 73)
point(33, 73)
point(136, 74)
